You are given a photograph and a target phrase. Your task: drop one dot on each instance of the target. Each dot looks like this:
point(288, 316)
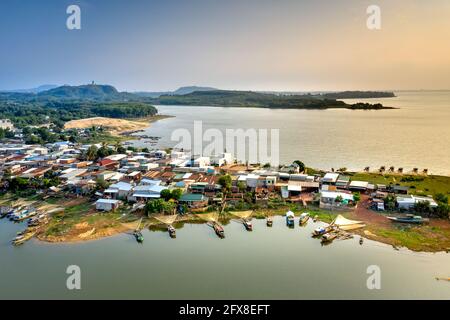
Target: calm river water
point(415, 135)
point(268, 263)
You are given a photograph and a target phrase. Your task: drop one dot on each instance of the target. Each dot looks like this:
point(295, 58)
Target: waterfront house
point(361, 186)
point(329, 199)
point(107, 204)
point(408, 202)
point(343, 181)
point(146, 192)
point(330, 178)
point(119, 190)
point(194, 200)
point(399, 189)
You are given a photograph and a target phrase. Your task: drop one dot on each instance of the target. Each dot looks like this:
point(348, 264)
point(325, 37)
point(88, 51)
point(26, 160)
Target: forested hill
point(91, 92)
point(358, 95)
point(67, 103)
point(224, 98)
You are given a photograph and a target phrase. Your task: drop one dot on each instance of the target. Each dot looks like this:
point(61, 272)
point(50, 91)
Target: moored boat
point(24, 216)
point(269, 221)
point(219, 230)
point(19, 240)
point(328, 237)
point(138, 235)
point(304, 217)
point(248, 225)
point(322, 230)
point(290, 219)
point(409, 219)
point(172, 231)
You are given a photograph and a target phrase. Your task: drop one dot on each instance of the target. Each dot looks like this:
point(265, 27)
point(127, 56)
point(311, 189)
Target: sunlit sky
point(285, 45)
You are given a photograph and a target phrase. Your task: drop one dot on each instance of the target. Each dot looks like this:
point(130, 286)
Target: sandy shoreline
point(115, 126)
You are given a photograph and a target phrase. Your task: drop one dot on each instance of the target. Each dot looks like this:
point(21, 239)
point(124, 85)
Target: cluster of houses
point(138, 177)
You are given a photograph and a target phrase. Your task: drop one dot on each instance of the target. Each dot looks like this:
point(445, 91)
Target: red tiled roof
point(107, 162)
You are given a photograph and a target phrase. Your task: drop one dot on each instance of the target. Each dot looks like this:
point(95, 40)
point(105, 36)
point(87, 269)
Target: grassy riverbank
point(81, 222)
point(418, 184)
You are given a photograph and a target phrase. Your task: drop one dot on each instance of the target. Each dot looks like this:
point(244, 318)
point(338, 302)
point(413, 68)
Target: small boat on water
point(219, 230)
point(248, 225)
point(28, 214)
point(290, 219)
point(269, 221)
point(37, 219)
point(4, 211)
point(19, 240)
point(138, 235)
point(172, 231)
point(322, 230)
point(304, 217)
point(409, 219)
point(329, 237)
point(315, 219)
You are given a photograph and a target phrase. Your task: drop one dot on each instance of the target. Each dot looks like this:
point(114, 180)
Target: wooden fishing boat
point(248, 225)
point(269, 221)
point(322, 230)
point(219, 230)
point(172, 231)
point(304, 217)
point(19, 240)
point(25, 216)
point(329, 237)
point(409, 219)
point(138, 235)
point(290, 219)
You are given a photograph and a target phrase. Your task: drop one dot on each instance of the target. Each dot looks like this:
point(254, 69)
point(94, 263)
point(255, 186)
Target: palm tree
point(117, 146)
point(91, 153)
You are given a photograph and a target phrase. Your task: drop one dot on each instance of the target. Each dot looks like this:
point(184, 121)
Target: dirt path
point(363, 213)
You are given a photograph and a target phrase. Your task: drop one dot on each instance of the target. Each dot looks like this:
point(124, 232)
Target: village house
point(408, 202)
point(146, 192)
point(107, 204)
point(329, 199)
point(360, 186)
point(194, 200)
point(330, 178)
point(6, 124)
point(120, 190)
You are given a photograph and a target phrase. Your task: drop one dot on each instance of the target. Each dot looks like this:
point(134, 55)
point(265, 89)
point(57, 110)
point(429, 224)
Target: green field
point(418, 184)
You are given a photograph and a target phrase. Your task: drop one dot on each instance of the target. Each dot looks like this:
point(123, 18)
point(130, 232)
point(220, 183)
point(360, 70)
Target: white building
point(120, 190)
point(408, 202)
point(6, 124)
point(146, 192)
point(107, 204)
point(201, 162)
point(330, 178)
point(223, 159)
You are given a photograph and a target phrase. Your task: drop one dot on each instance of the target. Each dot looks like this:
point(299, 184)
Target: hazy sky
point(245, 44)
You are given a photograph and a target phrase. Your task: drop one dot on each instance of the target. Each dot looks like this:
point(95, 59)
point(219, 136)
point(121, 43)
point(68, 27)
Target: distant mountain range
point(195, 96)
point(44, 87)
point(180, 91)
